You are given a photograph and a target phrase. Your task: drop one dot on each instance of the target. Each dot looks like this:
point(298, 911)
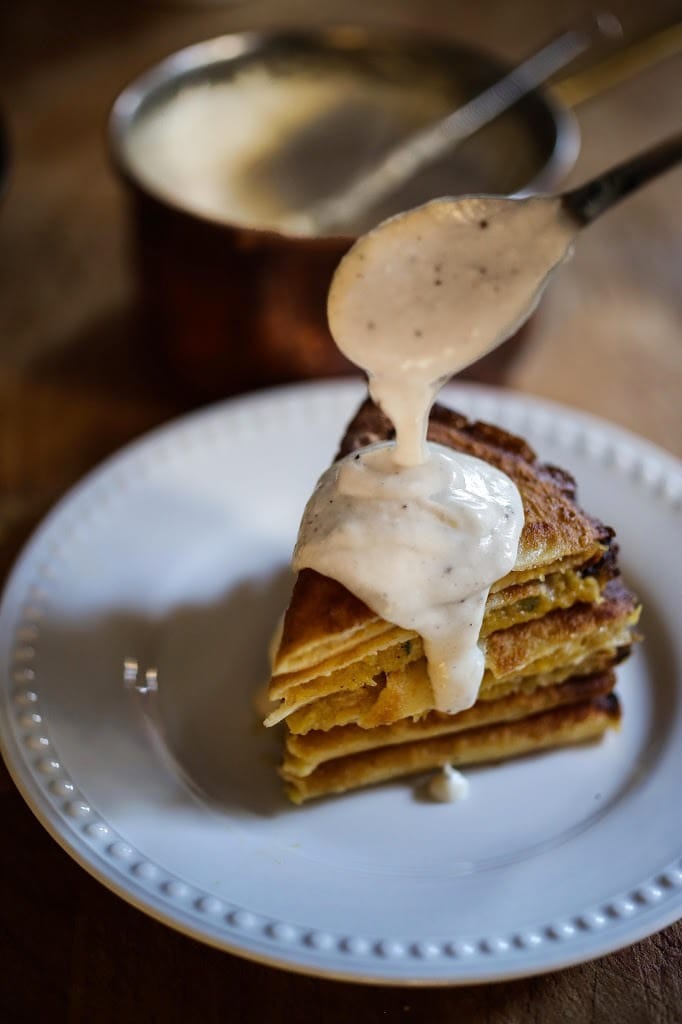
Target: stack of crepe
point(354, 689)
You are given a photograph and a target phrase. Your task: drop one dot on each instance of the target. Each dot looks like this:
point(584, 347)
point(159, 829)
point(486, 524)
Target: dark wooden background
point(73, 388)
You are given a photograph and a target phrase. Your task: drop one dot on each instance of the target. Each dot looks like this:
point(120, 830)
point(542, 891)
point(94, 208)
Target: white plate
point(175, 553)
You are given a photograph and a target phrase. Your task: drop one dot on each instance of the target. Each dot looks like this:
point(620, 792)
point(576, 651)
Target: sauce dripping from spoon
point(420, 532)
point(417, 531)
point(430, 291)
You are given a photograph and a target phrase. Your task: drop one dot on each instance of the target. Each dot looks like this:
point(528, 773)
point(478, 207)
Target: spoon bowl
point(432, 290)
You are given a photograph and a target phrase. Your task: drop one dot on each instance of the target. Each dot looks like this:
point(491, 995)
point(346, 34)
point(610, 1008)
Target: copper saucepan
point(231, 306)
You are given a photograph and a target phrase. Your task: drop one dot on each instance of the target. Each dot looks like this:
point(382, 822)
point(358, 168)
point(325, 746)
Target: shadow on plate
point(213, 665)
point(201, 730)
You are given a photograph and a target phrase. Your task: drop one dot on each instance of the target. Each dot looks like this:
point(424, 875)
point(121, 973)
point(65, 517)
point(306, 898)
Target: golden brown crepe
point(354, 689)
point(559, 727)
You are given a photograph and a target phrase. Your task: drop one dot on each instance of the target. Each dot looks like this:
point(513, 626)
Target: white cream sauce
point(420, 546)
point(417, 531)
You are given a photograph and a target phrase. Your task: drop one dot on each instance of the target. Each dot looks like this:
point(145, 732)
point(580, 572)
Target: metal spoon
point(589, 201)
point(406, 159)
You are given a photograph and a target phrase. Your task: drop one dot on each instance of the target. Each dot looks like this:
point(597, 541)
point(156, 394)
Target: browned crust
point(510, 648)
point(557, 727)
point(562, 637)
point(319, 606)
point(305, 753)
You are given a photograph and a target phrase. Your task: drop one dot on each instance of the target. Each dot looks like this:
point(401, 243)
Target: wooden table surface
point(73, 389)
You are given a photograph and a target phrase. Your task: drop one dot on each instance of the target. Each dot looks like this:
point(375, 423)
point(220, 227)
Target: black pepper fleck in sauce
point(483, 224)
point(417, 333)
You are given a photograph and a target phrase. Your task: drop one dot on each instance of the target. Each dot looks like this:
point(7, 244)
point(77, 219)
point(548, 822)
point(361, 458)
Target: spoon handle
point(589, 201)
